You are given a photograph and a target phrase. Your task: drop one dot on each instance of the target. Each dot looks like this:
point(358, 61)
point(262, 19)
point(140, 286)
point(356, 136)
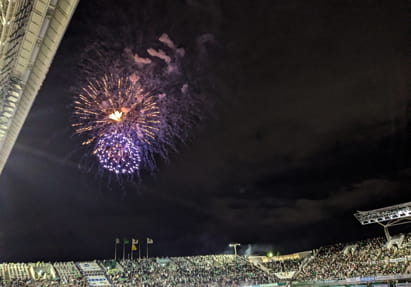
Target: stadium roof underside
point(387, 216)
point(30, 33)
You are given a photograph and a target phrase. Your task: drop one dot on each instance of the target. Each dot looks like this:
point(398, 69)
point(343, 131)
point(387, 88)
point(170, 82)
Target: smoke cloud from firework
point(134, 105)
point(257, 249)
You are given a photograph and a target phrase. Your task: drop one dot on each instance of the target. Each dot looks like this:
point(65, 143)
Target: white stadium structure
point(31, 31)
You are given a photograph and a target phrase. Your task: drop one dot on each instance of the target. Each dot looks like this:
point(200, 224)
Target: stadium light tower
point(234, 246)
point(386, 217)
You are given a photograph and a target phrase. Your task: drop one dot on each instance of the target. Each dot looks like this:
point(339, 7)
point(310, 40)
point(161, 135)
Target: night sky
point(310, 122)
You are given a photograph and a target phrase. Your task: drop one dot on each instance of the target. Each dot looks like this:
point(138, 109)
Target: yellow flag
point(133, 247)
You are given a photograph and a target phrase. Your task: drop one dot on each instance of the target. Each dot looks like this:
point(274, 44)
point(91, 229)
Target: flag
point(125, 241)
point(117, 240)
point(134, 241)
point(133, 247)
point(150, 241)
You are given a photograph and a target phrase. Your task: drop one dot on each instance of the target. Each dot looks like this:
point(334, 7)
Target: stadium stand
point(369, 257)
point(210, 270)
point(41, 271)
point(68, 273)
point(360, 263)
point(15, 272)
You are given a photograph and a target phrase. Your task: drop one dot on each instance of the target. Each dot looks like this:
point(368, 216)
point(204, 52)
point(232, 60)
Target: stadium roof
point(30, 33)
point(391, 215)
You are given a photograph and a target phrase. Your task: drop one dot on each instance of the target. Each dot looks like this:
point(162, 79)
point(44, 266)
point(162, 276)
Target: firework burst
point(116, 104)
point(132, 107)
point(118, 153)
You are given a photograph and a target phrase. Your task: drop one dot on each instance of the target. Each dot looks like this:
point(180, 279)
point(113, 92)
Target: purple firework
point(118, 153)
point(134, 105)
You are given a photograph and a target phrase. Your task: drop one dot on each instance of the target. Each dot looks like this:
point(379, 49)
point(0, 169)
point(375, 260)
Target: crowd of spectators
point(339, 261)
point(17, 274)
point(277, 266)
point(283, 268)
point(363, 258)
point(41, 274)
point(274, 266)
point(68, 274)
point(291, 265)
point(199, 271)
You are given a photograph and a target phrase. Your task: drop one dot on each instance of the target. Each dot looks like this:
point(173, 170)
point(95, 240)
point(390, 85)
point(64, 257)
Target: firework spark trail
point(132, 107)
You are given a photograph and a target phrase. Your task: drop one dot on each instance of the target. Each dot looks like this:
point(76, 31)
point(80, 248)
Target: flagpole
point(115, 249)
point(124, 249)
point(139, 250)
point(147, 248)
point(131, 249)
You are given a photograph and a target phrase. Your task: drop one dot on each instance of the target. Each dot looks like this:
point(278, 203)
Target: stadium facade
point(31, 31)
